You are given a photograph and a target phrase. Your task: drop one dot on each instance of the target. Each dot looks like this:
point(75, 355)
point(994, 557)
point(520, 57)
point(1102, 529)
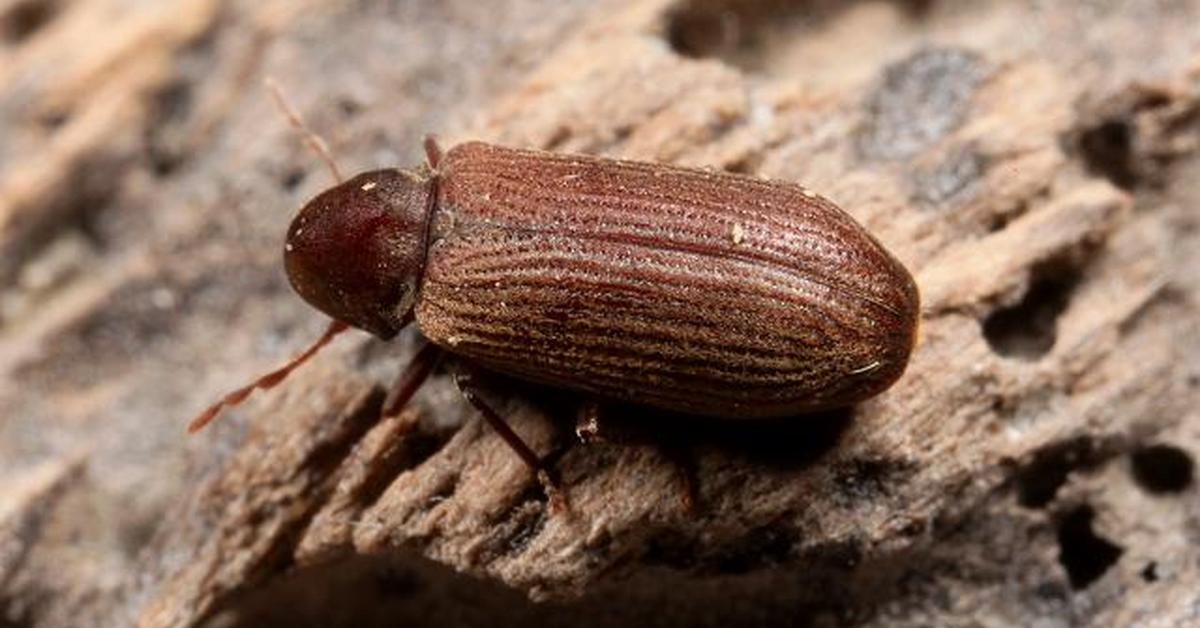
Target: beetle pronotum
point(698, 292)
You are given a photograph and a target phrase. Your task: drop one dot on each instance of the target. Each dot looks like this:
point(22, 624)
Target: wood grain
point(1036, 165)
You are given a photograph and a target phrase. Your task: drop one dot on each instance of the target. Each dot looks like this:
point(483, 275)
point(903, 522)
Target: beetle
point(687, 290)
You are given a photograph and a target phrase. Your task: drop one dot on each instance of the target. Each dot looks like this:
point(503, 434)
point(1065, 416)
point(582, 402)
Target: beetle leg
point(587, 422)
point(410, 379)
point(544, 472)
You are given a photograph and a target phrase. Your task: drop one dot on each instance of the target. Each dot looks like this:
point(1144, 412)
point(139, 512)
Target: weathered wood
point(1034, 164)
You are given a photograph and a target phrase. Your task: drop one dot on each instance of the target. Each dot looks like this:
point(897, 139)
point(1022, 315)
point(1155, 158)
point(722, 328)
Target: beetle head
point(357, 250)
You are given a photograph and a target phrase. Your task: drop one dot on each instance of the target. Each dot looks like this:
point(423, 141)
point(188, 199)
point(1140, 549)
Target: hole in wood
point(166, 141)
point(1149, 573)
point(1029, 329)
point(738, 31)
point(1107, 150)
point(1039, 481)
point(1163, 469)
point(292, 179)
point(705, 29)
point(23, 19)
point(1084, 554)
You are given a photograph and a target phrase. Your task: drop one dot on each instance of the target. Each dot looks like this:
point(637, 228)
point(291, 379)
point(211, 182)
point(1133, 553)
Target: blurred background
point(1033, 162)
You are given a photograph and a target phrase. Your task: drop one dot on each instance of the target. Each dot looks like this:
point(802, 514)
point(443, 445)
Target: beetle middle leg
point(541, 468)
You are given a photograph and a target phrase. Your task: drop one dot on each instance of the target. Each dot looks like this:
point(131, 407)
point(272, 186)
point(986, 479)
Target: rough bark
point(1034, 164)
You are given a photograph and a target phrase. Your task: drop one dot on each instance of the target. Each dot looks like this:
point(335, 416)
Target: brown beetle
point(700, 292)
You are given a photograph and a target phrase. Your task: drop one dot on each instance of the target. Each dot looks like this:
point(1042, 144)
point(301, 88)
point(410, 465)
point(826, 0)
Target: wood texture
point(1034, 164)
point(702, 292)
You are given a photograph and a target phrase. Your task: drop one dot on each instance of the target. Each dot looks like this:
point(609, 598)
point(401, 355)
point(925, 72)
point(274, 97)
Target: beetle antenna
point(314, 141)
point(266, 381)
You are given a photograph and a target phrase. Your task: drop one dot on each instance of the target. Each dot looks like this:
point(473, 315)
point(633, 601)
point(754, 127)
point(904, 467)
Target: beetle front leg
point(543, 471)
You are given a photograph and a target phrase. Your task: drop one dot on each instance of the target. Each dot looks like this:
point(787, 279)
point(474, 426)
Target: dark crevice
point(292, 179)
point(13, 617)
point(557, 139)
point(349, 107)
point(697, 30)
point(1085, 555)
point(172, 132)
point(1000, 220)
point(1149, 573)
point(671, 549)
point(738, 30)
point(397, 582)
point(409, 452)
point(1038, 481)
point(164, 131)
point(1130, 136)
point(1107, 151)
point(781, 444)
point(329, 453)
point(27, 17)
point(1163, 469)
point(1001, 217)
point(53, 119)
point(764, 547)
point(77, 204)
point(410, 449)
point(748, 164)
point(1029, 329)
point(393, 589)
point(530, 525)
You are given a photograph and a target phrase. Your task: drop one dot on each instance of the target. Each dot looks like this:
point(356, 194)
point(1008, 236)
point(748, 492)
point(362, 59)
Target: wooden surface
point(1034, 164)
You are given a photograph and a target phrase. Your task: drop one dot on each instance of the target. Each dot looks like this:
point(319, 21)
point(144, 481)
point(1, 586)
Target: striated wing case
point(694, 291)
